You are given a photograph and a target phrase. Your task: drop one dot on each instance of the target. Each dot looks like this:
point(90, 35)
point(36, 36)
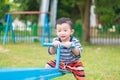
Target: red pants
point(76, 68)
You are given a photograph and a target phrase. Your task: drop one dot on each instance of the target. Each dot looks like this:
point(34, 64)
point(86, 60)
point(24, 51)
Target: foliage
point(107, 11)
point(29, 5)
point(71, 8)
point(78, 29)
point(75, 10)
point(64, 7)
point(3, 8)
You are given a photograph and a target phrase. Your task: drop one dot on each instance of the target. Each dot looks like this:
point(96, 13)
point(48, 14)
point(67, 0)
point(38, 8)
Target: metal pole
point(53, 12)
point(58, 57)
point(43, 8)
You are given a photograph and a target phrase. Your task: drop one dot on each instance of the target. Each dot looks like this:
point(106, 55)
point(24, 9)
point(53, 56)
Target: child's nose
point(62, 32)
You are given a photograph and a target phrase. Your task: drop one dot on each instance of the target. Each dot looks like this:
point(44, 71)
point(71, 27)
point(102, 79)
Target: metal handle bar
point(58, 52)
point(61, 46)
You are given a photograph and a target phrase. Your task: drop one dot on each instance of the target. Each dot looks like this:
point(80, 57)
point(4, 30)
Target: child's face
point(64, 31)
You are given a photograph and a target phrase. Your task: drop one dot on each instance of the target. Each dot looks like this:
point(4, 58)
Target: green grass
point(101, 62)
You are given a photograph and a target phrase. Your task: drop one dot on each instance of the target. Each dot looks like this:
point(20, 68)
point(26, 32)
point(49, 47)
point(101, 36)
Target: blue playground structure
point(35, 73)
point(8, 27)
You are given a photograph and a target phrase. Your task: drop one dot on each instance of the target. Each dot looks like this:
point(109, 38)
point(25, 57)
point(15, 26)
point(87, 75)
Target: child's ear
point(72, 31)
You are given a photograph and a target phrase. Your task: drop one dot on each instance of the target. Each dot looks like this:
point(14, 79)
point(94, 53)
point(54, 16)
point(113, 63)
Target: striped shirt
point(66, 54)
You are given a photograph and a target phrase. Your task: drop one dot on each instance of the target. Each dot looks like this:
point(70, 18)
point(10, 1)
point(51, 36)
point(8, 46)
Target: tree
point(108, 11)
point(29, 5)
point(86, 22)
point(3, 9)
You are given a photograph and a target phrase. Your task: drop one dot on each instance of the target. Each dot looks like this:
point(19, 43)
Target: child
point(69, 57)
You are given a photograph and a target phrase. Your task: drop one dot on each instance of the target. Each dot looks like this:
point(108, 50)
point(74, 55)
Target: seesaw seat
point(28, 73)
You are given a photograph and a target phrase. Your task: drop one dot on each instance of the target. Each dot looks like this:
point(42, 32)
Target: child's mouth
point(62, 36)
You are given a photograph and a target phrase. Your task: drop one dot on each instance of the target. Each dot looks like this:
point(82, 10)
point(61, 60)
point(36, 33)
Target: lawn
point(101, 62)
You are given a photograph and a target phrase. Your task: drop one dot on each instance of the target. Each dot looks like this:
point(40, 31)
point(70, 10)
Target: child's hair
point(65, 20)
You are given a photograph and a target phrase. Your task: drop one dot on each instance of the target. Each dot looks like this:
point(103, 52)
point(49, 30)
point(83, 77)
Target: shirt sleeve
point(49, 50)
point(76, 42)
point(54, 39)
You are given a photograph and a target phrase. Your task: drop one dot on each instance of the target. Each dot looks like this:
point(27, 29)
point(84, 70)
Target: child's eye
point(65, 30)
point(59, 30)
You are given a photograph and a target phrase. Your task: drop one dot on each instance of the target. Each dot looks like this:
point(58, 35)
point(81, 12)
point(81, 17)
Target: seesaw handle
point(61, 46)
point(58, 52)
point(71, 46)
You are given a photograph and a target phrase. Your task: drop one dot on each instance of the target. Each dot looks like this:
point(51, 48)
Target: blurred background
point(95, 21)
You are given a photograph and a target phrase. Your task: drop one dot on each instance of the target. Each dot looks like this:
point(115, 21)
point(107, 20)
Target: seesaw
point(33, 73)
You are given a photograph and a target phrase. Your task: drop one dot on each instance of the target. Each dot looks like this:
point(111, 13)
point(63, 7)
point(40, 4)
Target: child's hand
point(56, 43)
point(67, 44)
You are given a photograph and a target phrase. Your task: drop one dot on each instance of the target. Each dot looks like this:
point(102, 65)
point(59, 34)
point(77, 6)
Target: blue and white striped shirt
point(66, 54)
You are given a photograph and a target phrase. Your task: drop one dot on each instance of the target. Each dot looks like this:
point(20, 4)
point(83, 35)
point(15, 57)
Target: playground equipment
point(9, 26)
point(32, 73)
point(35, 73)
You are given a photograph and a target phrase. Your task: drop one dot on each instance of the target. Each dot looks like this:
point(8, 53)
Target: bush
point(78, 29)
